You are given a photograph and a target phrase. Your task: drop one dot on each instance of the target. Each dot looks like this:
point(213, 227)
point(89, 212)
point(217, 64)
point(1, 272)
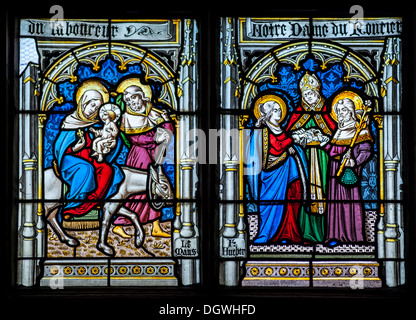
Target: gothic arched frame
point(327, 52)
point(125, 54)
point(263, 69)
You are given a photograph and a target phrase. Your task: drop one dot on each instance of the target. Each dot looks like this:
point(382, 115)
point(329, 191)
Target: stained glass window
point(311, 180)
point(209, 151)
point(107, 194)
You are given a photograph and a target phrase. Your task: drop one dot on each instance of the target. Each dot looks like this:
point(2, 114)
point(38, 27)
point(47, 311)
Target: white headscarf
point(77, 119)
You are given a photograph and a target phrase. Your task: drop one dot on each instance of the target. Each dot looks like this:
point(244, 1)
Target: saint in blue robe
point(271, 185)
point(79, 174)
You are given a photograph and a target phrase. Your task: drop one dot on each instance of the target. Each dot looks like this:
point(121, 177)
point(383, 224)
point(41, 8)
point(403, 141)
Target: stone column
point(381, 224)
point(232, 229)
point(392, 149)
point(29, 191)
point(40, 225)
point(28, 230)
point(186, 233)
point(230, 184)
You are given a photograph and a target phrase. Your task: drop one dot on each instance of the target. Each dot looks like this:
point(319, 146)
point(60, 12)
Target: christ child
point(106, 137)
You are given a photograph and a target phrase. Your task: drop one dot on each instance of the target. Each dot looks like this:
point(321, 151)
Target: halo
point(110, 107)
point(92, 84)
point(355, 97)
point(270, 97)
point(135, 82)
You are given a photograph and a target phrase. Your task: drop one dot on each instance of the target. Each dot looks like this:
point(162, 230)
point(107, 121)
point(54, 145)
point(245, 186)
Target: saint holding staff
point(349, 150)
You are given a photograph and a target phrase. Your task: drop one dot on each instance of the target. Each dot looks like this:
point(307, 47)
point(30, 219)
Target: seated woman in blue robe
point(88, 181)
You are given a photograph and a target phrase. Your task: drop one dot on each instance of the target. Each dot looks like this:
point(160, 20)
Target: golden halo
point(135, 82)
point(270, 97)
point(355, 97)
point(110, 107)
point(92, 84)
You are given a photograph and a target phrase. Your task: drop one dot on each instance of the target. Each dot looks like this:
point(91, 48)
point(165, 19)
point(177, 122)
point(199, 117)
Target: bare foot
point(157, 230)
point(120, 231)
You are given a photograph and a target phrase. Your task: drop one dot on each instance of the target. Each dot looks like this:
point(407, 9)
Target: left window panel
point(106, 196)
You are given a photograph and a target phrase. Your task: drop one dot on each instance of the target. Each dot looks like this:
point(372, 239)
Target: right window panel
point(311, 159)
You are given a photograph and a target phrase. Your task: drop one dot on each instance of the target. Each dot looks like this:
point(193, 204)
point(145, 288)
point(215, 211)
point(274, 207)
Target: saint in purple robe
point(345, 211)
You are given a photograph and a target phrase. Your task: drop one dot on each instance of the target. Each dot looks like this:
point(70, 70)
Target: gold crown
point(309, 82)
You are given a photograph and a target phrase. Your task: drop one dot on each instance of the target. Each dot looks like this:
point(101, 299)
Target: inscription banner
point(233, 248)
point(154, 30)
point(279, 29)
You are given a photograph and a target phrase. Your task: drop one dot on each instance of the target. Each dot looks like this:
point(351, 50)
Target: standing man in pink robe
point(140, 123)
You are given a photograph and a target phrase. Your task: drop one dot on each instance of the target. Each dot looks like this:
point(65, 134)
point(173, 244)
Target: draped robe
point(312, 219)
point(140, 130)
point(88, 181)
point(345, 217)
point(279, 180)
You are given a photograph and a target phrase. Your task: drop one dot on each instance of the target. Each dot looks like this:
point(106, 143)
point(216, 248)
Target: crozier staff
point(345, 217)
